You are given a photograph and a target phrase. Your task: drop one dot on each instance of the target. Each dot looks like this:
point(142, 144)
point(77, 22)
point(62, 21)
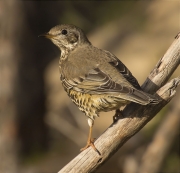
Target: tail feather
point(143, 98)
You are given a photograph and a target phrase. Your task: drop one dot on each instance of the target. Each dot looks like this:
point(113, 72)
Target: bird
point(95, 79)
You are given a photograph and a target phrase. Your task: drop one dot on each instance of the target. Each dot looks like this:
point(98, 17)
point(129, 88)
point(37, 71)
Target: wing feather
point(99, 79)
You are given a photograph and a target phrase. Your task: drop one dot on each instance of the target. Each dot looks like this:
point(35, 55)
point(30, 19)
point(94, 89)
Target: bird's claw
point(90, 143)
point(117, 115)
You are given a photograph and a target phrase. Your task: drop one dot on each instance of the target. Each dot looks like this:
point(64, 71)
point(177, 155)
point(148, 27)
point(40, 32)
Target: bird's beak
point(46, 35)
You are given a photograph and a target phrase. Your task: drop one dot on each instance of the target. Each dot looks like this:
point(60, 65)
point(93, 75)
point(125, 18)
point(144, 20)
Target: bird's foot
point(90, 143)
point(117, 115)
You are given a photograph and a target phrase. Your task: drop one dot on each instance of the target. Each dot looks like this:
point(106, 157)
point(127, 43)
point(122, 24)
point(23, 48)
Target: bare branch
point(162, 141)
point(134, 116)
point(164, 68)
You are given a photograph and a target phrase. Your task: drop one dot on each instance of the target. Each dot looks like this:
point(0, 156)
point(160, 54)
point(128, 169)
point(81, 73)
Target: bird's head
point(66, 36)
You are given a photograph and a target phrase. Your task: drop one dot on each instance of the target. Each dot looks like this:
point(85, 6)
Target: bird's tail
point(143, 98)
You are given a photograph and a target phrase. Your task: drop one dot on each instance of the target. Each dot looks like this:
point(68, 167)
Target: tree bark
point(163, 140)
point(135, 116)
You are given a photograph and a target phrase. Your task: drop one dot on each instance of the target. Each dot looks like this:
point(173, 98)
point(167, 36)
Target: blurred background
point(41, 130)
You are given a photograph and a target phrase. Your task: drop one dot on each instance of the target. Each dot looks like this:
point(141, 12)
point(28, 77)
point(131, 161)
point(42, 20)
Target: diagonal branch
point(135, 116)
point(163, 139)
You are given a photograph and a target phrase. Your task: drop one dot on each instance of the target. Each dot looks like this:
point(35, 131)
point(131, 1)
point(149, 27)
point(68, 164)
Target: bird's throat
point(64, 53)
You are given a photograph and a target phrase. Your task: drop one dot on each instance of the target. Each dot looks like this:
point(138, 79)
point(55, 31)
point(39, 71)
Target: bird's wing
point(122, 69)
point(108, 75)
point(98, 82)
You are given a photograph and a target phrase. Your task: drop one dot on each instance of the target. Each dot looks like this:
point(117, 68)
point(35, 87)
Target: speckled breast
point(91, 105)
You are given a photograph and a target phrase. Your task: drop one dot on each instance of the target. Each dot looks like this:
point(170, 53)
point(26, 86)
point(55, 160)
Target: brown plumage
point(95, 79)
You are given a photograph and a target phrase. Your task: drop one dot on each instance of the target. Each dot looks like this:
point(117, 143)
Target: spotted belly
point(91, 105)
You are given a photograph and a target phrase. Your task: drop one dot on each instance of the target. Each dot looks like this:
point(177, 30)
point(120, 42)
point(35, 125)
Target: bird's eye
point(64, 32)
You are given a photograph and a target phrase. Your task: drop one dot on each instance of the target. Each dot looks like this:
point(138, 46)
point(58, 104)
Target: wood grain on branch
point(135, 116)
point(163, 139)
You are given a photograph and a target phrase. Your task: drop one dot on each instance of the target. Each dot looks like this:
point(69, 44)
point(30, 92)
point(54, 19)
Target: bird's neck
point(64, 54)
point(65, 50)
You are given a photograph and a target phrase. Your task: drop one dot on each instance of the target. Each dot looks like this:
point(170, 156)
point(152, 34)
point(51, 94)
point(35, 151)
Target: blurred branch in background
point(66, 128)
point(160, 146)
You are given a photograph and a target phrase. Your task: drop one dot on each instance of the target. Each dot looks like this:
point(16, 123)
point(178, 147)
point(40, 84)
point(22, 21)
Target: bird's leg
point(90, 141)
point(117, 115)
